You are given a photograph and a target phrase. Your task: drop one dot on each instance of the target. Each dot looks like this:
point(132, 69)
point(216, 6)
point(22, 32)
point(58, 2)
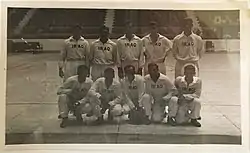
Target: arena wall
point(230, 45)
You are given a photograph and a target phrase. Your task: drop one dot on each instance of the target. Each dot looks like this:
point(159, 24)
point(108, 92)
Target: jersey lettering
point(187, 43)
point(103, 48)
point(77, 46)
point(156, 86)
point(130, 45)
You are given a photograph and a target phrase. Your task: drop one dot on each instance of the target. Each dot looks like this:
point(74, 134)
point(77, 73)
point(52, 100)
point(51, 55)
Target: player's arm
point(167, 48)
point(87, 54)
point(119, 53)
point(91, 53)
point(63, 55)
point(115, 54)
point(66, 87)
point(171, 88)
point(197, 92)
point(94, 91)
point(118, 95)
point(141, 56)
point(141, 89)
point(175, 48)
point(201, 47)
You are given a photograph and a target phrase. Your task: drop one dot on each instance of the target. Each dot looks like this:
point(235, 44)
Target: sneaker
point(171, 121)
point(147, 121)
point(64, 123)
point(195, 123)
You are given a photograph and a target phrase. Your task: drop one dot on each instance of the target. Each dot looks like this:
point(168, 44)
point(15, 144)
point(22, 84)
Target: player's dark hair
point(77, 27)
point(128, 23)
point(152, 65)
point(153, 23)
point(189, 67)
point(186, 20)
point(103, 27)
point(126, 68)
point(82, 68)
point(109, 70)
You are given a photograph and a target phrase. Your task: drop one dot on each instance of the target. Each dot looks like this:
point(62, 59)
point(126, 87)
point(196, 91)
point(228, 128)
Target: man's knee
point(85, 108)
point(117, 110)
point(146, 99)
point(62, 98)
point(197, 102)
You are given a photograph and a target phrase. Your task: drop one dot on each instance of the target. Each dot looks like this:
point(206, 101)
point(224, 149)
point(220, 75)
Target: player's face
point(129, 29)
point(76, 33)
point(187, 25)
point(153, 71)
point(104, 33)
point(83, 74)
point(109, 75)
point(189, 73)
point(153, 29)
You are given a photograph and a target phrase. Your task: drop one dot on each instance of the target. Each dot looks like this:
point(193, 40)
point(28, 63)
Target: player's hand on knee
point(61, 73)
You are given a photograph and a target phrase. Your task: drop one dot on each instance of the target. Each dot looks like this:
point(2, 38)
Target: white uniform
point(162, 93)
point(130, 52)
point(65, 93)
point(187, 49)
point(191, 102)
point(73, 54)
point(156, 52)
point(134, 92)
point(112, 95)
point(102, 56)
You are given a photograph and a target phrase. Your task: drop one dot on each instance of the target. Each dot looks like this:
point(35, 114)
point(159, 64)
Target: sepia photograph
point(122, 76)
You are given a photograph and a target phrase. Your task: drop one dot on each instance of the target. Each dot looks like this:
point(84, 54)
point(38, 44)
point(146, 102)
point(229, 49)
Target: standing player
point(134, 92)
point(157, 48)
point(130, 51)
point(187, 48)
point(72, 93)
point(105, 95)
point(162, 92)
point(103, 54)
point(75, 52)
point(189, 88)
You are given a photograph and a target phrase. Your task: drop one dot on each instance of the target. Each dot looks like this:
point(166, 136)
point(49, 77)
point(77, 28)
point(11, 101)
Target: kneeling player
point(73, 90)
point(105, 95)
point(189, 88)
point(134, 95)
point(162, 92)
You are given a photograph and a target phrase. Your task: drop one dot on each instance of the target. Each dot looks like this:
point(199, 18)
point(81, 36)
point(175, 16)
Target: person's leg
point(146, 102)
point(172, 110)
point(195, 108)
point(158, 111)
point(182, 114)
point(63, 101)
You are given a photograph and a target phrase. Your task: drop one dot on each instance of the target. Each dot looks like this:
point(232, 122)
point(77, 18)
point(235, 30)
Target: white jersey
point(72, 83)
point(103, 54)
point(160, 88)
point(130, 51)
point(134, 90)
point(193, 89)
point(113, 93)
point(188, 48)
point(76, 50)
point(156, 52)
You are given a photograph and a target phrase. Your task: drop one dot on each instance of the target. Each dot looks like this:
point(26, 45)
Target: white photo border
point(242, 5)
